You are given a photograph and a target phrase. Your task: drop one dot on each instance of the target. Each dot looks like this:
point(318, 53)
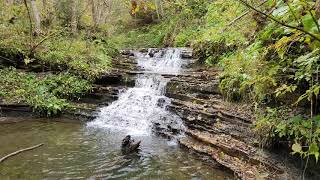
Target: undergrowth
point(263, 62)
point(46, 94)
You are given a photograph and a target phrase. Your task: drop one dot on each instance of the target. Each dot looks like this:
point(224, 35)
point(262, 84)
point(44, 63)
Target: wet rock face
point(219, 129)
point(197, 100)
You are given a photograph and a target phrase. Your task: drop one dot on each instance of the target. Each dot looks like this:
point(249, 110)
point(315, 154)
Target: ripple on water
point(73, 152)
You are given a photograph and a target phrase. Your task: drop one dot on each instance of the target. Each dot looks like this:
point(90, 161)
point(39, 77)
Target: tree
point(36, 17)
point(94, 12)
point(9, 2)
point(99, 10)
point(74, 21)
point(317, 9)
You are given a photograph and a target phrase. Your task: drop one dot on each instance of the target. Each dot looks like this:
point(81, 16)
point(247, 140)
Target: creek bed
point(74, 151)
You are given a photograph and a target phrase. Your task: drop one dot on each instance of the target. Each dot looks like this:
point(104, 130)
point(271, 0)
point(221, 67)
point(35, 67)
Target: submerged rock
point(129, 146)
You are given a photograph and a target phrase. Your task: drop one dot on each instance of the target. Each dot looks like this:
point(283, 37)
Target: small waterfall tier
point(143, 108)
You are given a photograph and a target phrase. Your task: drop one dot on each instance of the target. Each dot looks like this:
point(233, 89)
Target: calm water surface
point(74, 151)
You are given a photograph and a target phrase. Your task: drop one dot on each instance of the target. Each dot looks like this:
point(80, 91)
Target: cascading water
point(144, 107)
point(94, 152)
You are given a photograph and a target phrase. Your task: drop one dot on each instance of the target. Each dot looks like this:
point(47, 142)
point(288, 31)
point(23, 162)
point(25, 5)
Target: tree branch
point(43, 40)
point(244, 14)
point(314, 20)
point(18, 152)
point(278, 21)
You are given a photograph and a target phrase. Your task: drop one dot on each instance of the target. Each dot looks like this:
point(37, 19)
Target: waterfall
point(143, 108)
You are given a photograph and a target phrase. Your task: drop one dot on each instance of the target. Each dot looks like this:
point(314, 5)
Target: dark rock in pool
point(129, 146)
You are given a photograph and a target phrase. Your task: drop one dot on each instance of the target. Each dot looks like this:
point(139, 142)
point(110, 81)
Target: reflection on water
point(71, 151)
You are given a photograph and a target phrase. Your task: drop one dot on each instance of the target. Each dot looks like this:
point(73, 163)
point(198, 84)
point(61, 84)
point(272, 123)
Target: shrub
point(45, 94)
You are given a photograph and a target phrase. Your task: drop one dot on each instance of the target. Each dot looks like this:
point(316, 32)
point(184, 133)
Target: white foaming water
point(144, 107)
point(163, 61)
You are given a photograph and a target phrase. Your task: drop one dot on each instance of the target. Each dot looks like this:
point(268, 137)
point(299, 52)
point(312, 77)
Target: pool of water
point(75, 151)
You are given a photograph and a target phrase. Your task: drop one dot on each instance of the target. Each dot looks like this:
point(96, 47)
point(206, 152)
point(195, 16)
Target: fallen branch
point(20, 151)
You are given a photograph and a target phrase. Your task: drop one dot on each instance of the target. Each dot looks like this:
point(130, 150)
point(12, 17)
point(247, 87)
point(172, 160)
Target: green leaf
point(296, 148)
point(309, 24)
point(280, 11)
point(314, 150)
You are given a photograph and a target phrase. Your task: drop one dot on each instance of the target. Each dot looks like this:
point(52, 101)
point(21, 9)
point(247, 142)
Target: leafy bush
point(248, 76)
point(282, 61)
point(218, 36)
point(82, 58)
point(278, 124)
point(45, 94)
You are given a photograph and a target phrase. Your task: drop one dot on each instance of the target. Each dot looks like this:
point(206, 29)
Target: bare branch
point(18, 152)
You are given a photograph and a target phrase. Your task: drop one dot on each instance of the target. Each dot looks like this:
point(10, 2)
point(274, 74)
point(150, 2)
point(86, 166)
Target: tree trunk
point(158, 8)
point(94, 13)
point(45, 12)
point(44, 5)
point(9, 2)
point(45, 8)
point(102, 8)
point(36, 17)
point(107, 12)
point(317, 9)
point(74, 22)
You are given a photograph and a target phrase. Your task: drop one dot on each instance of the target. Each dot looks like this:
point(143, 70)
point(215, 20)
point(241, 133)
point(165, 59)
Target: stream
point(92, 150)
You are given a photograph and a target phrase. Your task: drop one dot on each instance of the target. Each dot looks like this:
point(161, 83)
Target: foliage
point(277, 123)
point(219, 36)
point(82, 58)
point(282, 61)
point(247, 76)
point(143, 9)
point(267, 59)
point(268, 53)
point(178, 27)
point(55, 47)
point(45, 94)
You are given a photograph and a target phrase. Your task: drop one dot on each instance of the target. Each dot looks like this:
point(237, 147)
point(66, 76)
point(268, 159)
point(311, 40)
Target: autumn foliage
point(143, 9)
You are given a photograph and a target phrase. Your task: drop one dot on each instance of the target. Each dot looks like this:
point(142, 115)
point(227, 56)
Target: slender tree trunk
point(45, 9)
point(160, 8)
point(74, 21)
point(94, 12)
point(44, 5)
point(30, 24)
point(109, 6)
point(36, 17)
point(9, 2)
point(45, 12)
point(317, 9)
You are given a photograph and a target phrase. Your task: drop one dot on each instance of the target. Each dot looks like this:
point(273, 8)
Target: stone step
point(210, 112)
